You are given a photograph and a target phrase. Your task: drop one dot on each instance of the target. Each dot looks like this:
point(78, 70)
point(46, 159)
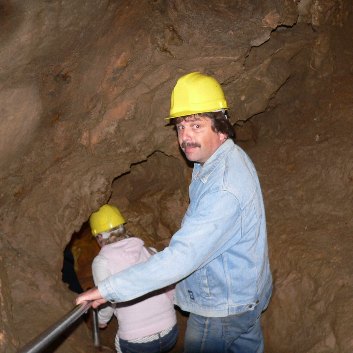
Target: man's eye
point(179, 127)
point(196, 126)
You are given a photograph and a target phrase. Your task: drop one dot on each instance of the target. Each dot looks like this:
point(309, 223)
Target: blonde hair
point(115, 235)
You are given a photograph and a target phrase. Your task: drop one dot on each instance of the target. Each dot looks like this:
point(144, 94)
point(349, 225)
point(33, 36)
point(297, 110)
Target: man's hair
point(220, 122)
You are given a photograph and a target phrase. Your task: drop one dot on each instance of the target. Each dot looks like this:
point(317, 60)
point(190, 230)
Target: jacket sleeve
point(100, 272)
point(208, 229)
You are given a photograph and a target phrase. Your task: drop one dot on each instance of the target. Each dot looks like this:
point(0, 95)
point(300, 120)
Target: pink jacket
point(140, 317)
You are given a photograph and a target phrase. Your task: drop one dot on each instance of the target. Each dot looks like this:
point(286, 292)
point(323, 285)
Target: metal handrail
point(48, 336)
point(95, 328)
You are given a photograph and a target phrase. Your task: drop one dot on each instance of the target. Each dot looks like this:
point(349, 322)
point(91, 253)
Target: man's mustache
point(185, 144)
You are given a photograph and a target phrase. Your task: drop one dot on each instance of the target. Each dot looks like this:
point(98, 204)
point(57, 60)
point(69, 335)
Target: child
point(147, 324)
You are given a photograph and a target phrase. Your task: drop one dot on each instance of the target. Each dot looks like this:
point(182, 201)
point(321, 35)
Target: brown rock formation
point(84, 88)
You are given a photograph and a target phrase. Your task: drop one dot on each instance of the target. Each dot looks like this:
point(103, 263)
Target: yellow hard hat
point(105, 219)
point(196, 93)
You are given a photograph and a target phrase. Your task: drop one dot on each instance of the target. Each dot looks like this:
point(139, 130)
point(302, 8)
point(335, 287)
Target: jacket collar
point(203, 172)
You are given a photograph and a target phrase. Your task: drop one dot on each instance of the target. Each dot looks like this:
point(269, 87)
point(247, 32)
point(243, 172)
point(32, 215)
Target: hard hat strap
point(225, 113)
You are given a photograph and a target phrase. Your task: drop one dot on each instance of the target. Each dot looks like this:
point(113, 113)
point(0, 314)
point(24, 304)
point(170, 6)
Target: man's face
point(197, 139)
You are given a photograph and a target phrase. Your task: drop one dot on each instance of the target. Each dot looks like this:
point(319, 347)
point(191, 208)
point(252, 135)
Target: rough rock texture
point(84, 88)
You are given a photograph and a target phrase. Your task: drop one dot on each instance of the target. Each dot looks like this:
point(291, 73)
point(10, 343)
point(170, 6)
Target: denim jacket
point(219, 255)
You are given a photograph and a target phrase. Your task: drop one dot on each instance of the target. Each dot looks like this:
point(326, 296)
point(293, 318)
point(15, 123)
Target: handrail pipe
point(48, 336)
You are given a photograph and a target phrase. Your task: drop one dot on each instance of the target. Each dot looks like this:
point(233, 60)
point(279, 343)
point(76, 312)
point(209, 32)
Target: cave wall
point(84, 88)
point(304, 152)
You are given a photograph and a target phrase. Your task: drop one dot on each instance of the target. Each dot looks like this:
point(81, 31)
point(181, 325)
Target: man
point(219, 255)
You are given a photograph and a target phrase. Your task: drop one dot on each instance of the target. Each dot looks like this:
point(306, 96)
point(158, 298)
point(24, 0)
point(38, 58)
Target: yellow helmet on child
point(196, 93)
point(105, 219)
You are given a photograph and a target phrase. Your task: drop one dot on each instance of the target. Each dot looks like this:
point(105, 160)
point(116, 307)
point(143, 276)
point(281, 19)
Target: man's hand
point(91, 295)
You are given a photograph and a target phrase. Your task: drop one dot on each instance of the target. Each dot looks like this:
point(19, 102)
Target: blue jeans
point(239, 333)
point(163, 344)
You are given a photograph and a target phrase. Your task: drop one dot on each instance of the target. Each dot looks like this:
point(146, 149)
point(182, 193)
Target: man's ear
point(222, 137)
